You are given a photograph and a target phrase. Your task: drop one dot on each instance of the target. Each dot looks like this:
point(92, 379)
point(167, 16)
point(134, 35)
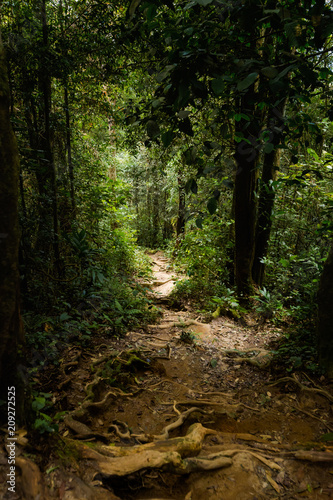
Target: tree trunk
point(325, 316)
point(246, 157)
point(155, 215)
point(180, 226)
point(69, 152)
point(11, 330)
point(267, 195)
point(45, 88)
point(245, 217)
point(265, 209)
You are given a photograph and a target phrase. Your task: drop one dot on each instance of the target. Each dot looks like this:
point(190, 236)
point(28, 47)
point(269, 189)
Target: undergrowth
point(297, 350)
point(104, 298)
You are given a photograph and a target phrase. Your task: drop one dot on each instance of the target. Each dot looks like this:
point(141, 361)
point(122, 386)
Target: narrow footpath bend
point(195, 415)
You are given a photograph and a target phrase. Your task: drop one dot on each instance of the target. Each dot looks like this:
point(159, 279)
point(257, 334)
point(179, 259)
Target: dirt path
point(188, 396)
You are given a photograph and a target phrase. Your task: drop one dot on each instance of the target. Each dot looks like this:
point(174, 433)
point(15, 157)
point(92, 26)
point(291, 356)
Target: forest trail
point(183, 410)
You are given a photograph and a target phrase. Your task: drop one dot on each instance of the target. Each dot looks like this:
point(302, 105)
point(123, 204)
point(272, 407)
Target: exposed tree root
point(142, 336)
point(32, 480)
point(261, 360)
point(107, 357)
point(272, 465)
point(303, 387)
point(65, 366)
point(174, 425)
point(314, 456)
point(330, 428)
point(170, 454)
point(172, 324)
point(82, 431)
point(99, 404)
point(176, 455)
point(199, 402)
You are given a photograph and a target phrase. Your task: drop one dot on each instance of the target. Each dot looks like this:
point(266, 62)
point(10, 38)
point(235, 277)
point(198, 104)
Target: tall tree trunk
point(180, 226)
point(246, 157)
point(167, 226)
point(46, 143)
point(155, 216)
point(11, 330)
point(69, 152)
point(325, 316)
point(267, 194)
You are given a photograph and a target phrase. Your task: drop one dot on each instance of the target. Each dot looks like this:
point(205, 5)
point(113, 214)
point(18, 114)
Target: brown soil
point(269, 432)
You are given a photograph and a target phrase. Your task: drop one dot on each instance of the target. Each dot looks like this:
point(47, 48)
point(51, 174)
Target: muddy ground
point(239, 431)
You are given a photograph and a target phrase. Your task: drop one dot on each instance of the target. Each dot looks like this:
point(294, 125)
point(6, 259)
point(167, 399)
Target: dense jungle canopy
point(199, 127)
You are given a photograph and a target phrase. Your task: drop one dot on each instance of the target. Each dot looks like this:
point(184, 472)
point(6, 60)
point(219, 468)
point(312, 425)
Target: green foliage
point(43, 422)
point(298, 350)
point(226, 303)
point(120, 372)
point(202, 93)
point(327, 437)
point(187, 337)
point(205, 258)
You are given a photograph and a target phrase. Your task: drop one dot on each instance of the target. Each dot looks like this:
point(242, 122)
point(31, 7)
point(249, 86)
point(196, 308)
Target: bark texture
point(265, 209)
point(11, 331)
point(246, 156)
point(267, 192)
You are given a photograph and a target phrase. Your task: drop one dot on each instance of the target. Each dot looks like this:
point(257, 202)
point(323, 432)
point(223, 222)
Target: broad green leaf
point(269, 72)
point(64, 316)
point(191, 155)
point(157, 102)
point(189, 31)
point(118, 306)
point(327, 437)
point(183, 94)
point(213, 362)
point(284, 262)
point(249, 80)
point(212, 205)
point(167, 138)
point(268, 148)
point(199, 222)
point(203, 2)
point(291, 29)
point(132, 8)
point(162, 75)
point(183, 114)
point(284, 72)
point(218, 85)
point(46, 417)
point(38, 403)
